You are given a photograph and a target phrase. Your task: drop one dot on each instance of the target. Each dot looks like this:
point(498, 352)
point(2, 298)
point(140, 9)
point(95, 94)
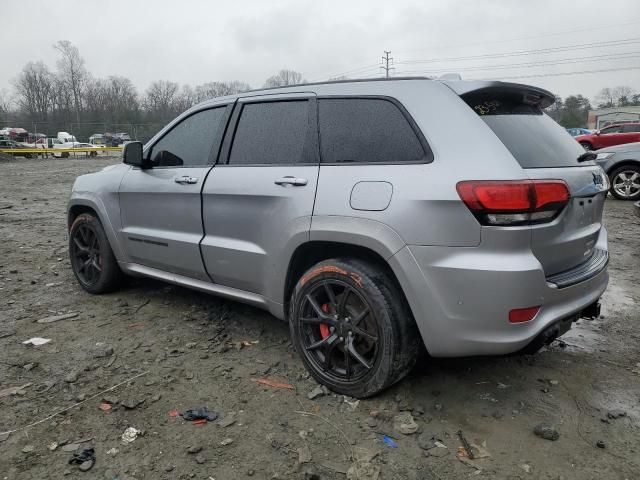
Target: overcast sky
point(194, 42)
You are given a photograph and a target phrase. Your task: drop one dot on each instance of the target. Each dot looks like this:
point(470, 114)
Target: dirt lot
point(189, 349)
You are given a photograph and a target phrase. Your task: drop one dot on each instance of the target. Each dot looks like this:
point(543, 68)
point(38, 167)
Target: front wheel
point(352, 327)
point(92, 259)
point(625, 183)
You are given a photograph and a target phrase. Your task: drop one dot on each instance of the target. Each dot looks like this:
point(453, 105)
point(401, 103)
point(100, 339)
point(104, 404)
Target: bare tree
point(284, 77)
point(219, 89)
point(161, 99)
point(622, 95)
point(605, 98)
point(34, 87)
point(72, 72)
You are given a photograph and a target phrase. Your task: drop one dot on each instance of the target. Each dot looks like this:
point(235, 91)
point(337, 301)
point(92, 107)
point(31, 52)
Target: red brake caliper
point(324, 328)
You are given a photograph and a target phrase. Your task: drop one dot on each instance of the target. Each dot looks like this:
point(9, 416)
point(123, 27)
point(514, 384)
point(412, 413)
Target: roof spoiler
point(525, 93)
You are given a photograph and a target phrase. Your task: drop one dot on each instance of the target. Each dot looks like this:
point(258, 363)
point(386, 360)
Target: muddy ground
point(189, 349)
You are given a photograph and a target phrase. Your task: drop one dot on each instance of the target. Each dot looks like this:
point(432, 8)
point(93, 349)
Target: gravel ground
point(188, 350)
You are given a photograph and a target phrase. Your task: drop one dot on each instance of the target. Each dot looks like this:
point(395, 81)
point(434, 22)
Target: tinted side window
point(190, 142)
point(272, 133)
point(631, 129)
point(608, 130)
point(366, 130)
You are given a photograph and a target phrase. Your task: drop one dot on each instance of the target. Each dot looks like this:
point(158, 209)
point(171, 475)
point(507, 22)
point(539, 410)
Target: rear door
point(545, 151)
point(160, 207)
point(609, 137)
point(259, 199)
point(631, 132)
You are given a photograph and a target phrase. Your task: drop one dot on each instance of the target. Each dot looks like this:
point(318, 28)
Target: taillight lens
point(521, 315)
point(514, 202)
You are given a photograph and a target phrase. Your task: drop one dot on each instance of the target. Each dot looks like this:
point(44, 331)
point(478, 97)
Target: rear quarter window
point(533, 138)
point(366, 130)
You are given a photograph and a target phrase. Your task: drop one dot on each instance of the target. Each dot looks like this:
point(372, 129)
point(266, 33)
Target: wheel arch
point(314, 251)
point(622, 163)
point(79, 205)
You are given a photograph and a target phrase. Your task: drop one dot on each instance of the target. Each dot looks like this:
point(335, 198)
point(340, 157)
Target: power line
point(580, 46)
point(566, 73)
point(565, 61)
point(385, 63)
point(514, 39)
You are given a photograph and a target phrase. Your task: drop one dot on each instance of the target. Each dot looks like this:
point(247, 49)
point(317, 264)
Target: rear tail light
point(514, 202)
point(520, 315)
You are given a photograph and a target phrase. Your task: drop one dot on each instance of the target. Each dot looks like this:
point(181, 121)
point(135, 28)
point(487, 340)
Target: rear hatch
point(546, 152)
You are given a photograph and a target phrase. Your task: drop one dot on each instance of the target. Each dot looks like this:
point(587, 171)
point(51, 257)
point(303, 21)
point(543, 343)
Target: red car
point(610, 136)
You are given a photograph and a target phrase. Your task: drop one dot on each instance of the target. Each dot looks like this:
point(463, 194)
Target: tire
point(625, 182)
point(64, 155)
point(587, 146)
point(92, 260)
point(364, 300)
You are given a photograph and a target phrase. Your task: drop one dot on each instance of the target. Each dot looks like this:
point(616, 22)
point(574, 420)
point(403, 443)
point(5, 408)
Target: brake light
point(520, 315)
point(514, 202)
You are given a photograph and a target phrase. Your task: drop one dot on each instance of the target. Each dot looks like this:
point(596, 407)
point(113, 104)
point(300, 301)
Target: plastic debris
point(202, 413)
point(57, 318)
point(7, 392)
point(273, 384)
point(36, 341)
point(85, 459)
point(389, 442)
point(105, 407)
point(130, 435)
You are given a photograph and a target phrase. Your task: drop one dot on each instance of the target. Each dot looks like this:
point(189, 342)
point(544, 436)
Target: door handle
point(294, 181)
point(185, 179)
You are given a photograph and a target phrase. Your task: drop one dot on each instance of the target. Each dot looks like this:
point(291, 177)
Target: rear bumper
point(461, 297)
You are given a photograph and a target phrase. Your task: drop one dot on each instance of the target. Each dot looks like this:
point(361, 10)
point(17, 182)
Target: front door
point(259, 198)
point(161, 207)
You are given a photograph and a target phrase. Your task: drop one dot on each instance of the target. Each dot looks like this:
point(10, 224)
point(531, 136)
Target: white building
point(606, 116)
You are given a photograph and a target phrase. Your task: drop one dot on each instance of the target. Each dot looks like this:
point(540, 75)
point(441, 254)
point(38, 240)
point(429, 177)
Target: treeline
point(69, 98)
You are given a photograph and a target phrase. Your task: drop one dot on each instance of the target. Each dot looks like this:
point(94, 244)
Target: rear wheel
point(586, 145)
point(352, 327)
point(625, 183)
point(92, 259)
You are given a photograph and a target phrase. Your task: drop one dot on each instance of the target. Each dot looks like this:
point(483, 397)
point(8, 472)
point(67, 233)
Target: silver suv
point(376, 217)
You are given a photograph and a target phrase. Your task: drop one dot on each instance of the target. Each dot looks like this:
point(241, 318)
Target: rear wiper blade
point(587, 156)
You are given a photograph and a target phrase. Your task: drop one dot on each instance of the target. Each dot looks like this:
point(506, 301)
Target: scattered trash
point(174, 413)
point(615, 414)
point(353, 403)
point(52, 446)
point(546, 431)
point(601, 444)
point(228, 420)
point(113, 451)
point(85, 459)
point(4, 436)
point(526, 467)
point(102, 350)
point(502, 386)
point(465, 444)
point(105, 407)
point(202, 413)
point(70, 447)
point(36, 341)
point(439, 444)
point(389, 442)
point(226, 441)
point(57, 318)
point(317, 392)
point(7, 392)
point(304, 454)
point(130, 435)
point(273, 384)
point(405, 424)
point(28, 449)
point(363, 471)
point(130, 404)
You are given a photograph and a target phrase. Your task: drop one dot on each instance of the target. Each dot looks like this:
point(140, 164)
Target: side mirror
point(132, 155)
point(597, 132)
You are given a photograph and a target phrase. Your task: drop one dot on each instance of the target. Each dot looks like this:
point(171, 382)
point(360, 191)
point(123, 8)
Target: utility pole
point(385, 63)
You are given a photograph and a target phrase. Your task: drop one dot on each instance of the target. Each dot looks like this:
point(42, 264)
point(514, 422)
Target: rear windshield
point(532, 137)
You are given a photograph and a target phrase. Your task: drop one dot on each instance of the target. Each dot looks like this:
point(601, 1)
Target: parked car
point(611, 136)
point(574, 132)
point(622, 164)
point(351, 210)
point(15, 145)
